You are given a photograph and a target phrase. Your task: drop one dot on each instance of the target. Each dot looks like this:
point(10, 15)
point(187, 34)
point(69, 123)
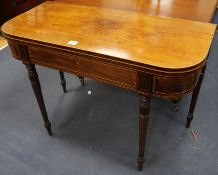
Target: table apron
point(166, 86)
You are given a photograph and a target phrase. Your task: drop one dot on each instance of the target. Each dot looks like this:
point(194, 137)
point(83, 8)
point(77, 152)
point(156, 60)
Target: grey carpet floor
point(97, 134)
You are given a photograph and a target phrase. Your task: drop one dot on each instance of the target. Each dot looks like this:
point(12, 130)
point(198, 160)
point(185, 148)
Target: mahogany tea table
point(154, 56)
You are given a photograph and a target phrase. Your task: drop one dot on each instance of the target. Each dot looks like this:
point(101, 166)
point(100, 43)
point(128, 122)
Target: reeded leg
point(33, 76)
point(63, 81)
point(195, 97)
point(143, 124)
point(81, 80)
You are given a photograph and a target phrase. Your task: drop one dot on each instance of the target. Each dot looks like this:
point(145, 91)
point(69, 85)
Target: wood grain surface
point(155, 41)
point(198, 10)
point(155, 56)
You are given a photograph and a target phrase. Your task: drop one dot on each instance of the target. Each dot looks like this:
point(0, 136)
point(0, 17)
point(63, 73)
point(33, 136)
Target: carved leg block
point(63, 81)
point(143, 124)
point(195, 97)
point(33, 76)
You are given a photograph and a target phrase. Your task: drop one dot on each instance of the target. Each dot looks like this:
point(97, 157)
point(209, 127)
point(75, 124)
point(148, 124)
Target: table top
point(124, 35)
point(199, 10)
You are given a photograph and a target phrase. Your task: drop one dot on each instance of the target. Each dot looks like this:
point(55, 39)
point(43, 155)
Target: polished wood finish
point(143, 125)
point(12, 8)
point(33, 76)
point(135, 41)
point(63, 81)
point(153, 56)
point(195, 97)
point(198, 10)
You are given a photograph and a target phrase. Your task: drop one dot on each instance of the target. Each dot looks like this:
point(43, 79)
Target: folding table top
point(198, 10)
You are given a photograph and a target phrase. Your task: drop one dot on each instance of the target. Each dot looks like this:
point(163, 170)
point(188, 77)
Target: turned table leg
point(33, 76)
point(81, 79)
point(195, 97)
point(143, 124)
point(175, 102)
point(63, 81)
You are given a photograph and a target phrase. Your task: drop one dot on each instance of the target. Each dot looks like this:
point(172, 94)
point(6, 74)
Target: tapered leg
point(81, 80)
point(195, 97)
point(63, 81)
point(33, 76)
point(143, 124)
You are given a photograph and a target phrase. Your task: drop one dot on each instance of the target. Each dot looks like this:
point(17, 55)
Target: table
point(151, 55)
point(198, 10)
point(12, 8)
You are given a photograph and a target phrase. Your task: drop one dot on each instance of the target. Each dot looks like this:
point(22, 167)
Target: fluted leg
point(195, 97)
point(143, 124)
point(81, 80)
point(33, 76)
point(63, 81)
